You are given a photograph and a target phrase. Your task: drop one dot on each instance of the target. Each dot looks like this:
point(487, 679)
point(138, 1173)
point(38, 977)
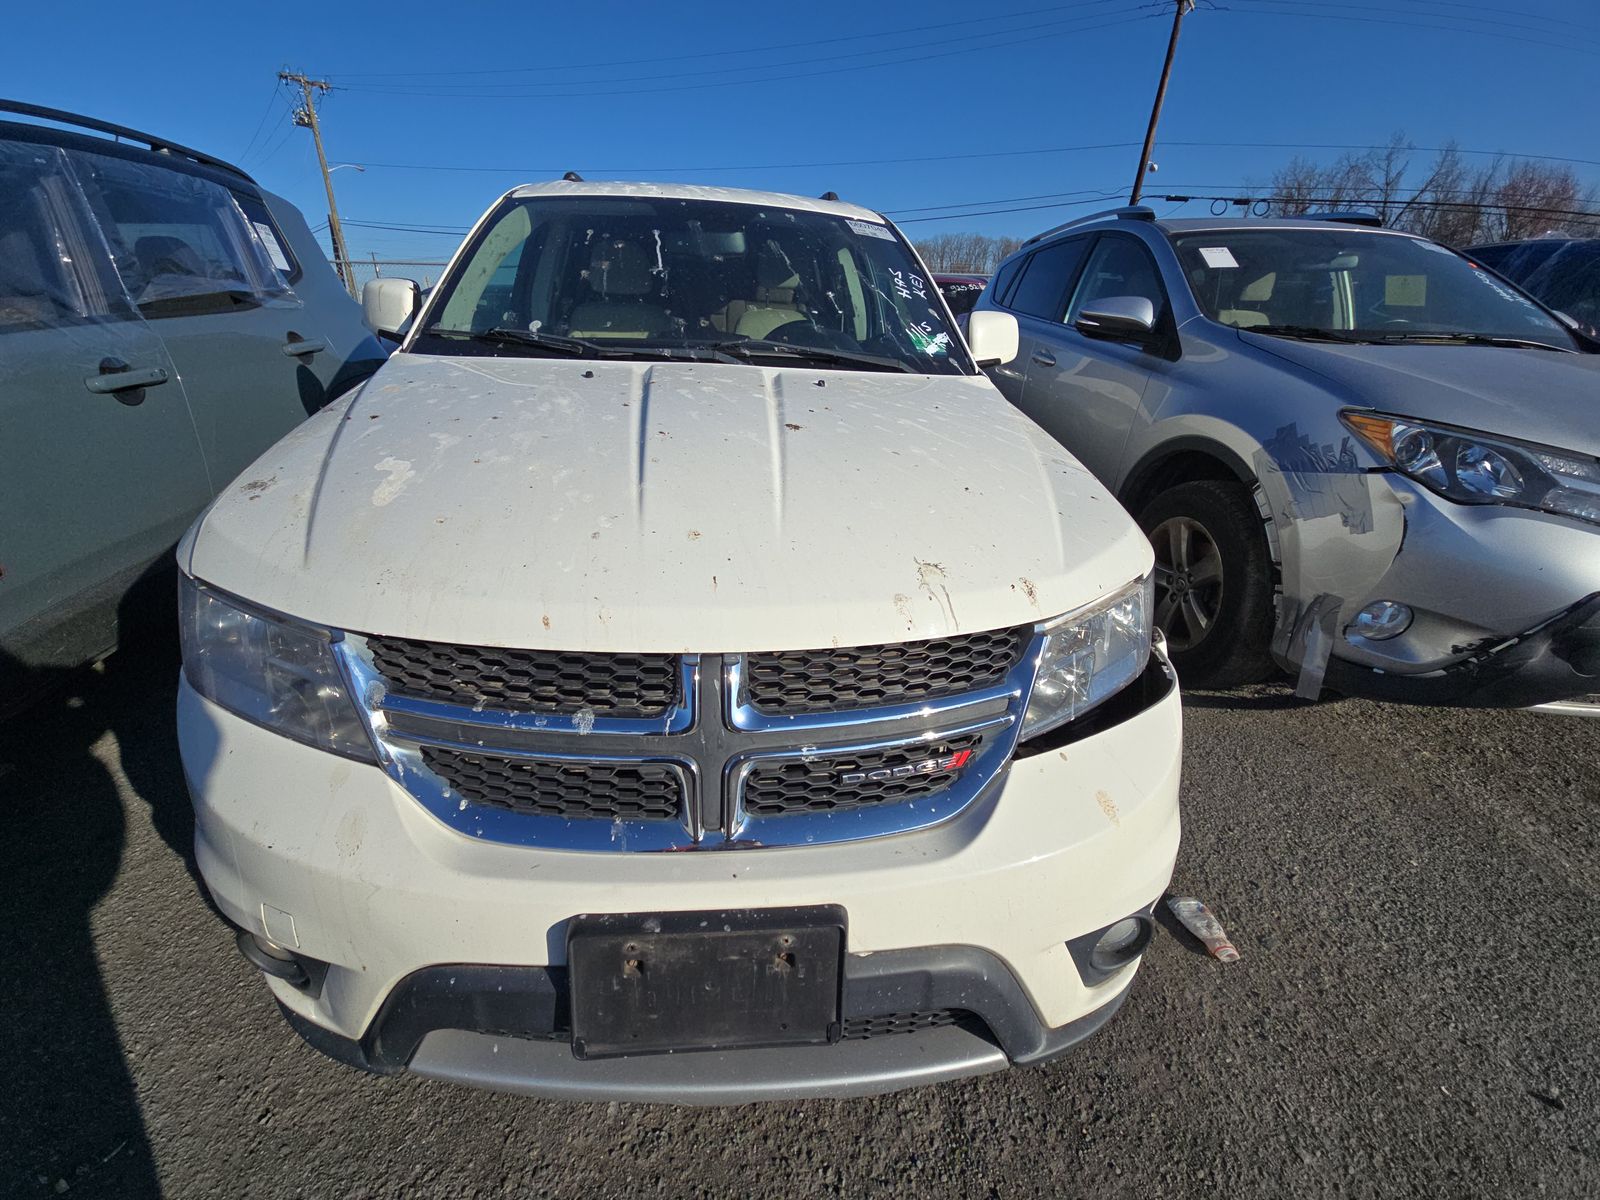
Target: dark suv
point(1563, 273)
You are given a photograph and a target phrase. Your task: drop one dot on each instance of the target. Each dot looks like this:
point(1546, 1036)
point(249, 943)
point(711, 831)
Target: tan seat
point(1257, 291)
point(619, 279)
point(774, 304)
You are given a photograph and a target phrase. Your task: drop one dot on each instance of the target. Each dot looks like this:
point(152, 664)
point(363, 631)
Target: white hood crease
point(660, 507)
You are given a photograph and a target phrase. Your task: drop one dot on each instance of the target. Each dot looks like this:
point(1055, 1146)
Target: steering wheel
point(786, 333)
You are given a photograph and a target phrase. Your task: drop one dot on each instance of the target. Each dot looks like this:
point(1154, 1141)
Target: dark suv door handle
point(1044, 358)
point(117, 376)
point(298, 347)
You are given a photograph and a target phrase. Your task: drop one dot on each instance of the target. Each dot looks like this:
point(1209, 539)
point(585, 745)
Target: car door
point(1037, 298)
point(196, 267)
point(100, 466)
point(1087, 391)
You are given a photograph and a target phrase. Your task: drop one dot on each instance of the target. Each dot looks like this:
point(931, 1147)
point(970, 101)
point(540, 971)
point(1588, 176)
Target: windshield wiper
point(750, 349)
point(1306, 333)
point(1474, 339)
point(575, 347)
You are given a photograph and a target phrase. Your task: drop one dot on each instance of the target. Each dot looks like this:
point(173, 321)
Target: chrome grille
point(637, 752)
point(832, 783)
point(809, 681)
point(605, 790)
point(554, 681)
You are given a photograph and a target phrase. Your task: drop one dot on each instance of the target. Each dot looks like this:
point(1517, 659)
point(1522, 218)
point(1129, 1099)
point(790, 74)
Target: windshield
point(1355, 286)
point(625, 277)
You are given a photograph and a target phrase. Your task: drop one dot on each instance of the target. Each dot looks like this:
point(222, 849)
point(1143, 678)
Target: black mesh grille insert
point(846, 781)
point(858, 1029)
point(803, 681)
point(616, 685)
point(626, 791)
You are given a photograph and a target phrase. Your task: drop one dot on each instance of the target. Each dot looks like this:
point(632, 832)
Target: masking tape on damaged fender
point(1339, 528)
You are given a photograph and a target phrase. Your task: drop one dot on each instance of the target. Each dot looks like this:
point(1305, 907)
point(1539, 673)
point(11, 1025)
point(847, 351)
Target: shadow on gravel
point(68, 1109)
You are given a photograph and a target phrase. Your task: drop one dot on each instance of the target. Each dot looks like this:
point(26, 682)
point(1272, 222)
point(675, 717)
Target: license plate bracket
point(653, 983)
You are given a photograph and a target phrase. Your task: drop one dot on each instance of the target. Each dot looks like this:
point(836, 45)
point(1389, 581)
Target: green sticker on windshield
point(1405, 291)
point(928, 342)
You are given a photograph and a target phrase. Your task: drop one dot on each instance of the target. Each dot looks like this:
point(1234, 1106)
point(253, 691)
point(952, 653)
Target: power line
point(635, 62)
point(451, 90)
point(528, 172)
point(966, 48)
point(1499, 10)
point(1260, 8)
point(272, 99)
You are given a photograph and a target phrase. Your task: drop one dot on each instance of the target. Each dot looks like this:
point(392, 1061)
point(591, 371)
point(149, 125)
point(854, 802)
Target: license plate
point(650, 984)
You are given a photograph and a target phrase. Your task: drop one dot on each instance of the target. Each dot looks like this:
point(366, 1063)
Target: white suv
point(679, 645)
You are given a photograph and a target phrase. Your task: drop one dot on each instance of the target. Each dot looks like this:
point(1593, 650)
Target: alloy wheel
point(1188, 581)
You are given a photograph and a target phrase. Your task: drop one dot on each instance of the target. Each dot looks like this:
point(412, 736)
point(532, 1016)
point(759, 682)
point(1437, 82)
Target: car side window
point(48, 260)
point(270, 236)
point(181, 243)
point(1042, 290)
point(1119, 266)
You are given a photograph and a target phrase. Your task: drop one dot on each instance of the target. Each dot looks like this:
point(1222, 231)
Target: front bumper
point(1506, 603)
point(332, 860)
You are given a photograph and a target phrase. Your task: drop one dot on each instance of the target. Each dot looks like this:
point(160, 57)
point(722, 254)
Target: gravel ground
point(1414, 1013)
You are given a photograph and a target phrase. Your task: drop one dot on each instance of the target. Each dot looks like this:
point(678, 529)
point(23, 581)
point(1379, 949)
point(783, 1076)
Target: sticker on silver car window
point(1219, 257)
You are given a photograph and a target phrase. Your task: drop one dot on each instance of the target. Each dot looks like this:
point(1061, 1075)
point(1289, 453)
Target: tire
point(1216, 608)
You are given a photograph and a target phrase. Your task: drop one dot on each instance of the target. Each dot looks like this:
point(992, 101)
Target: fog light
point(1380, 621)
point(1121, 943)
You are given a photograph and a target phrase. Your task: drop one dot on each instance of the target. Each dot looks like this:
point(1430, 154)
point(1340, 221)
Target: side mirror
point(992, 336)
point(389, 304)
point(1118, 317)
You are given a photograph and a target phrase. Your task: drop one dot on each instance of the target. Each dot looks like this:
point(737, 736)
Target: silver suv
point(1360, 456)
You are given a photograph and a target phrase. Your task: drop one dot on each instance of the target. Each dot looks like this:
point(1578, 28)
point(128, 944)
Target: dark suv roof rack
point(159, 145)
point(1351, 217)
point(1128, 212)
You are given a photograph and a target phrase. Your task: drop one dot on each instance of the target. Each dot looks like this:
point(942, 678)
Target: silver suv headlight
point(1478, 468)
point(1089, 656)
point(279, 673)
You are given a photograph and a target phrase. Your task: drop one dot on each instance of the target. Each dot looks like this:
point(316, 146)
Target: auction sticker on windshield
point(868, 229)
point(1219, 257)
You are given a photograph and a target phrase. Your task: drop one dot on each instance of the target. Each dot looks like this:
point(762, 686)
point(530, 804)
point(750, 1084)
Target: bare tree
point(960, 253)
point(1452, 202)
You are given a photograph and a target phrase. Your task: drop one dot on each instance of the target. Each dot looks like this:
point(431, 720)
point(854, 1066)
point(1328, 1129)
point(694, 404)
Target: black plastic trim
point(1558, 660)
point(158, 145)
point(531, 1003)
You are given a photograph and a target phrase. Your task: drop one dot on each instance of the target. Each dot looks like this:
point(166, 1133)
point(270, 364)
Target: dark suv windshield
point(651, 277)
point(1352, 285)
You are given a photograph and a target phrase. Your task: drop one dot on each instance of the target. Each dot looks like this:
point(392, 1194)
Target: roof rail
point(1130, 212)
point(159, 145)
point(1350, 217)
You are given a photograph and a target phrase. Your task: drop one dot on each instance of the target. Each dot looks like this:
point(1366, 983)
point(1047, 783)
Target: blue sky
point(618, 90)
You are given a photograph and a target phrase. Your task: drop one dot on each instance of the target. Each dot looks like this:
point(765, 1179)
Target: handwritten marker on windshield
point(1202, 922)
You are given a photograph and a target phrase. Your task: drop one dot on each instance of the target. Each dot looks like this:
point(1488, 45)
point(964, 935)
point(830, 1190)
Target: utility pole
point(306, 117)
point(1183, 6)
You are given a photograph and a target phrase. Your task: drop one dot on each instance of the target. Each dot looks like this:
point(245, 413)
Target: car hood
point(1535, 395)
point(665, 507)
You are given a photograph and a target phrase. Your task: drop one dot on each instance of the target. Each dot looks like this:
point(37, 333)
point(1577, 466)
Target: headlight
point(278, 673)
point(1475, 468)
point(1089, 656)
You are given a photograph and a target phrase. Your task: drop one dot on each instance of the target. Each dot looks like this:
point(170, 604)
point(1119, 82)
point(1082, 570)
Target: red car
point(961, 292)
